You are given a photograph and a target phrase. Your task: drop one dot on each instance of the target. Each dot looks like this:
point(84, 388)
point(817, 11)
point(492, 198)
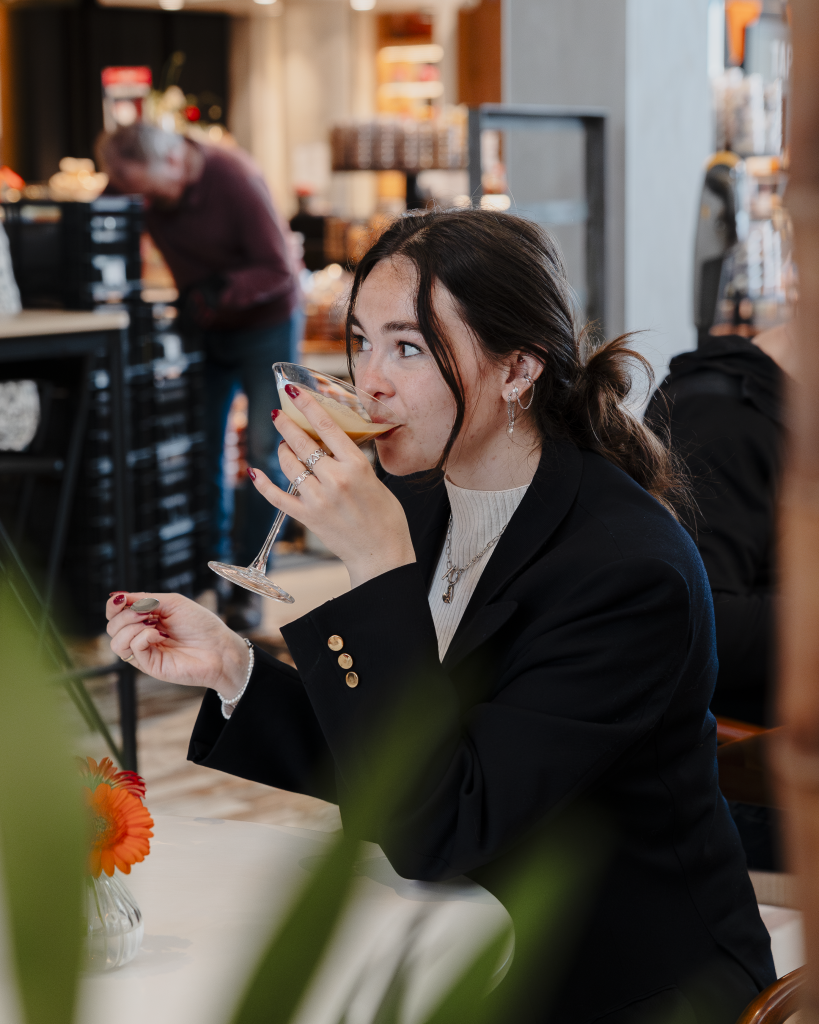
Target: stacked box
point(166, 458)
point(83, 256)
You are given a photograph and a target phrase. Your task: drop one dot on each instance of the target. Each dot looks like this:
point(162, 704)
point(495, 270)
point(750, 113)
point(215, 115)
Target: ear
point(522, 371)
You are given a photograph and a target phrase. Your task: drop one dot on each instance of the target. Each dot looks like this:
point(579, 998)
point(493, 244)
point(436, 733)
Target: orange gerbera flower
point(120, 830)
point(106, 772)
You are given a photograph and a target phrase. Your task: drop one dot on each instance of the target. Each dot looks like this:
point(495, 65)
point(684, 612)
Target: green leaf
point(465, 1002)
point(42, 826)
point(546, 896)
point(290, 960)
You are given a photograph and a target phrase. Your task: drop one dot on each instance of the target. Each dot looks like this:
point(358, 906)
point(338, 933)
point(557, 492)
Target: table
point(40, 335)
point(787, 937)
point(211, 891)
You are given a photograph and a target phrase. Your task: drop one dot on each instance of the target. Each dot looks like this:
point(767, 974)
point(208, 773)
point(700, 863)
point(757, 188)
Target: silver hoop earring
point(531, 384)
point(511, 410)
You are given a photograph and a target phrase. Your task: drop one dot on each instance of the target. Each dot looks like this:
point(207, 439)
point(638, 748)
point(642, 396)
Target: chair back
point(775, 1003)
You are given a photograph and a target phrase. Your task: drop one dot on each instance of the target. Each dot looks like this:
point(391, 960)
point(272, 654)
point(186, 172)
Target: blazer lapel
point(544, 506)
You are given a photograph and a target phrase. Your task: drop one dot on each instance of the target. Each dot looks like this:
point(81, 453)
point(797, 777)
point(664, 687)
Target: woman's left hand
point(343, 502)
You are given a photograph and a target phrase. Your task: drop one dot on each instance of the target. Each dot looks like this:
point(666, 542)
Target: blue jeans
point(243, 360)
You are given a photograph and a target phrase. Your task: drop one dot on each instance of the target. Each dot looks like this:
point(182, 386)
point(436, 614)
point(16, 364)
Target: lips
point(387, 433)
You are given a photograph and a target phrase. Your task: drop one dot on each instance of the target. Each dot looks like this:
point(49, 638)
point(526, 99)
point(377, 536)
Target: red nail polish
point(166, 635)
point(274, 413)
point(119, 598)
point(251, 473)
point(292, 390)
point(150, 622)
point(114, 592)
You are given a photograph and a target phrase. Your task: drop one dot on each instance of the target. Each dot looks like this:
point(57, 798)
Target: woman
point(539, 602)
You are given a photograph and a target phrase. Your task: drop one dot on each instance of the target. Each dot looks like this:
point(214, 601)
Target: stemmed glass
point(359, 415)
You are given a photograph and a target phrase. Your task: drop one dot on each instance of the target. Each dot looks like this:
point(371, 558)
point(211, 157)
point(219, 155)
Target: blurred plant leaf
point(295, 951)
point(546, 899)
point(42, 826)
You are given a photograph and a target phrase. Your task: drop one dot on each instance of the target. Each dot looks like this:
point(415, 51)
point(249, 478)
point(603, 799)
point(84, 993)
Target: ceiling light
point(264, 3)
point(362, 5)
point(171, 5)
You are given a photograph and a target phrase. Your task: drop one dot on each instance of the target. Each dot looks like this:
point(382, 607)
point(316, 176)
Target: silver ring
point(319, 453)
point(300, 480)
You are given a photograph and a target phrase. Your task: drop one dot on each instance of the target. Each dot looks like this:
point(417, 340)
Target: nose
point(371, 377)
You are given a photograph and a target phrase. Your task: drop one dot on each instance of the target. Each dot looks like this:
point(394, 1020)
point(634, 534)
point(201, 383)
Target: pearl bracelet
point(235, 700)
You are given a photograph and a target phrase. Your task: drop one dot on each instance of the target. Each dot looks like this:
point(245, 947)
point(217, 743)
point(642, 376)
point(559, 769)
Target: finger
point(327, 429)
point(123, 600)
point(278, 498)
point(128, 617)
point(298, 440)
point(148, 638)
point(291, 467)
point(121, 643)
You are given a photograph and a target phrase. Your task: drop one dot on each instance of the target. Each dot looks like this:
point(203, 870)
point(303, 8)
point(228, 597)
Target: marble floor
point(167, 714)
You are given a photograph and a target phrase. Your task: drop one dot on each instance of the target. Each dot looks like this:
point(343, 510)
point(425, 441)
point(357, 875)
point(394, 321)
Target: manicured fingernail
point(145, 604)
point(166, 635)
point(251, 472)
point(274, 413)
point(292, 390)
point(115, 592)
point(119, 598)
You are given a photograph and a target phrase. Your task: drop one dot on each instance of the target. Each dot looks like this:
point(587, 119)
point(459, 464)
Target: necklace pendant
point(447, 596)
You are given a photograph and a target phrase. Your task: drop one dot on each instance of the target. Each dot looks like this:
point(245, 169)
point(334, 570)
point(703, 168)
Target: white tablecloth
point(211, 891)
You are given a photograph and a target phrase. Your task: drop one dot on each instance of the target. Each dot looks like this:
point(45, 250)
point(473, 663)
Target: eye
point(360, 343)
point(408, 349)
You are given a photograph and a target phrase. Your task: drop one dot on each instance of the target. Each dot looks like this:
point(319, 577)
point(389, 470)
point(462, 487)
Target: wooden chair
point(775, 1003)
point(742, 758)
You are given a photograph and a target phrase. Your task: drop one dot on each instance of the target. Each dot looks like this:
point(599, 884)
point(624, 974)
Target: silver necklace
point(455, 572)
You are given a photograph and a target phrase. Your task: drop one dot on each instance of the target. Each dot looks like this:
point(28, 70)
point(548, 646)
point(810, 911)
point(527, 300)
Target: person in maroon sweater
point(211, 215)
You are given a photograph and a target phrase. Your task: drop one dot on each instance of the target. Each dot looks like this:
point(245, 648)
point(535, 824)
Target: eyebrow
point(390, 326)
point(400, 325)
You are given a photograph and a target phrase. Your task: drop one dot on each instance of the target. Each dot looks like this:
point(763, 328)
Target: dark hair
point(507, 276)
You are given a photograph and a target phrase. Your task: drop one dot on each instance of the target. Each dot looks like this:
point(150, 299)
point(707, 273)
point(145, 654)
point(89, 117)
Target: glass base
point(251, 579)
point(114, 925)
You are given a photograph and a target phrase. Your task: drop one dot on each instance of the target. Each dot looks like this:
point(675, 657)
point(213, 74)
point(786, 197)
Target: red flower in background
point(192, 113)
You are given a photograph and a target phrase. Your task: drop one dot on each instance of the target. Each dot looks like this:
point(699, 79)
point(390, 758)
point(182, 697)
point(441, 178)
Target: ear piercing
point(514, 400)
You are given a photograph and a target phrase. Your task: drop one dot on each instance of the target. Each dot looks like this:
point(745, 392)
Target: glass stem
point(260, 561)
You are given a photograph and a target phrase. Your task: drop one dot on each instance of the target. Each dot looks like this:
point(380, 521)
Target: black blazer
point(582, 669)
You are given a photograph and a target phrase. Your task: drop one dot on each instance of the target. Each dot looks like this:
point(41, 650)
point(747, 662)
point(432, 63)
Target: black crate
point(75, 255)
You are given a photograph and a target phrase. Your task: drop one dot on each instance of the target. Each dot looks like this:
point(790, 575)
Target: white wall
point(646, 62)
point(668, 138)
point(296, 70)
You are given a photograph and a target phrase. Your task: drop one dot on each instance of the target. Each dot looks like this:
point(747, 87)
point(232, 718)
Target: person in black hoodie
point(722, 406)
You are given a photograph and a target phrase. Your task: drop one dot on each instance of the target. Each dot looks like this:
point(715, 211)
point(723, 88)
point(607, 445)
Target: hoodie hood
point(761, 380)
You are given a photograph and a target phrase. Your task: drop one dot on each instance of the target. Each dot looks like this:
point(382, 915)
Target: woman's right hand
point(179, 642)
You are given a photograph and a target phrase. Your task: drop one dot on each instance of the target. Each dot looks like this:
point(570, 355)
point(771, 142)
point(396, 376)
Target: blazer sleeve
point(585, 682)
point(272, 736)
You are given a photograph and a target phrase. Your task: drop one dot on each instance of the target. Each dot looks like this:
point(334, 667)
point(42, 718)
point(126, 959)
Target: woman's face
point(394, 364)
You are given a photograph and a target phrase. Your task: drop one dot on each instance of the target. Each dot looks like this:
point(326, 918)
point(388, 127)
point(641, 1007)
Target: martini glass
point(359, 415)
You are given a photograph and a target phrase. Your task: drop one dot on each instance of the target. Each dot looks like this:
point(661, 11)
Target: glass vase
point(114, 923)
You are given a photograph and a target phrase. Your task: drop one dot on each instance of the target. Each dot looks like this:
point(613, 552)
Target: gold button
point(335, 643)
point(345, 661)
point(352, 679)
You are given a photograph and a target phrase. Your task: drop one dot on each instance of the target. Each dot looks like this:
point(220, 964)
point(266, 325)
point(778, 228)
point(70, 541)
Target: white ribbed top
point(477, 517)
